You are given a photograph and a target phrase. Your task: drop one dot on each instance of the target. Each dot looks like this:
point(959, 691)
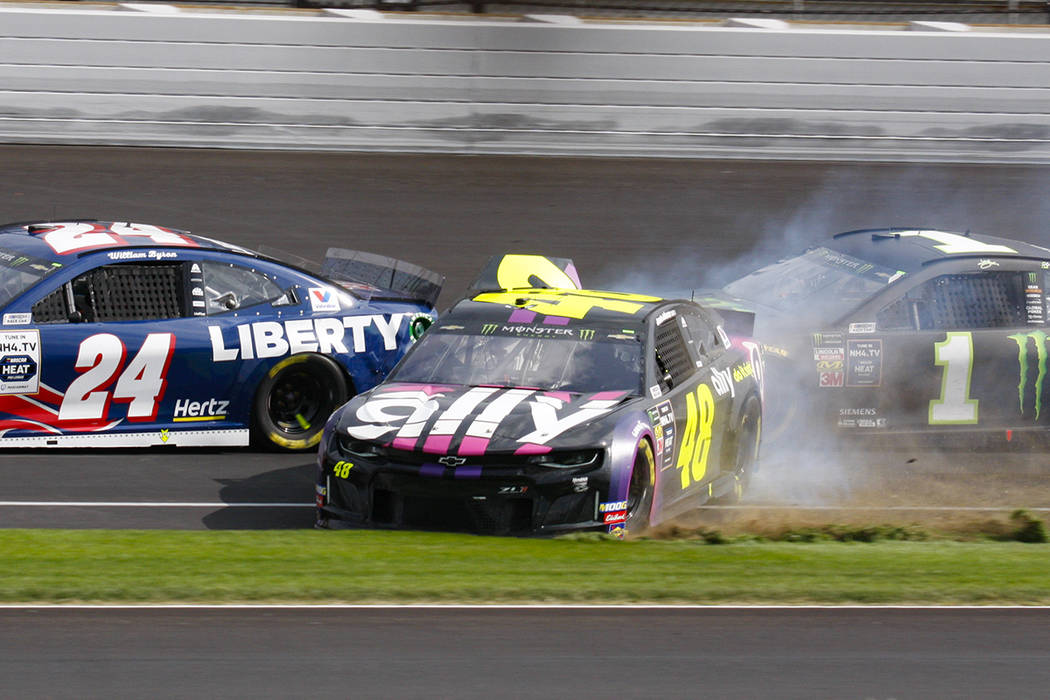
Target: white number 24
point(140, 384)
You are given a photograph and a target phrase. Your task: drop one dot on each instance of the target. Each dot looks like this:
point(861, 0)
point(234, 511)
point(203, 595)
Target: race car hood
point(476, 420)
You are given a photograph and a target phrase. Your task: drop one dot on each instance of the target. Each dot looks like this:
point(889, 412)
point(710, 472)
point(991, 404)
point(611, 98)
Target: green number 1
point(955, 407)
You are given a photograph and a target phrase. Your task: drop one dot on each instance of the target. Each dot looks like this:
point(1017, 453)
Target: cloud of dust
point(808, 466)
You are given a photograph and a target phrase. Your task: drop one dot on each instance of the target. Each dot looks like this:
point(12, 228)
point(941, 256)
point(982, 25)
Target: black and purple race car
point(534, 406)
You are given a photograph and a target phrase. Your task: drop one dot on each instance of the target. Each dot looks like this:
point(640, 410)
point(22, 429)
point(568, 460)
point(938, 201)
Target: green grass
point(62, 566)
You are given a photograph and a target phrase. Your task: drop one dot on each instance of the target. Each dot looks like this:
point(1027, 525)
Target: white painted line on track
point(755, 506)
point(975, 509)
point(500, 606)
point(135, 504)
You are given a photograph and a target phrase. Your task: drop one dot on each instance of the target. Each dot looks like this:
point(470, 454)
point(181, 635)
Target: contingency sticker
point(661, 417)
point(830, 363)
point(323, 300)
point(23, 319)
point(864, 363)
point(19, 362)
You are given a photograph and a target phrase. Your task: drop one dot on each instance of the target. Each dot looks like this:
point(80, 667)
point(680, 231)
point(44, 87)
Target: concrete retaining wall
point(360, 80)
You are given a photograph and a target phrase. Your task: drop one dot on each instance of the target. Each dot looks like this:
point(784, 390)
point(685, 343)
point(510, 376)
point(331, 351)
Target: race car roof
point(908, 249)
point(58, 241)
point(555, 307)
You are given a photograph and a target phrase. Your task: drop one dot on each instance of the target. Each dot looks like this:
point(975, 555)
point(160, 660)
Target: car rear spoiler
point(381, 276)
point(738, 316)
point(517, 271)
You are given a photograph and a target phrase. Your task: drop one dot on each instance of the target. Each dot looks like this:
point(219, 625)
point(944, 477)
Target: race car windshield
point(538, 363)
point(822, 282)
point(19, 272)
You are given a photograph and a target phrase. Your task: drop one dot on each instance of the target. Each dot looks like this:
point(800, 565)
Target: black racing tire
point(295, 399)
point(640, 488)
point(743, 456)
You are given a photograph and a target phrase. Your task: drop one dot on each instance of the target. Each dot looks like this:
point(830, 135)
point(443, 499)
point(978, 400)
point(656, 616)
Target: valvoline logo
point(323, 300)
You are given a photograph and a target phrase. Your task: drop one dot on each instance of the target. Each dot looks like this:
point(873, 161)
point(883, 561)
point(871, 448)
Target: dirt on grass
point(946, 492)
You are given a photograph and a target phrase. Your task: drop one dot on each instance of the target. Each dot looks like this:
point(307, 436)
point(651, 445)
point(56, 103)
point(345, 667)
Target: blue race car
point(131, 335)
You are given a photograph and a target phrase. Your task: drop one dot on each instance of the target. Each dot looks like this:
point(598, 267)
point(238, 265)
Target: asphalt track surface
point(809, 654)
point(633, 224)
point(638, 225)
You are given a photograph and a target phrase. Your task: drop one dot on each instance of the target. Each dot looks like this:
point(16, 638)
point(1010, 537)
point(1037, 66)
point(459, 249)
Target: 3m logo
point(1038, 339)
point(489, 328)
point(832, 379)
point(587, 334)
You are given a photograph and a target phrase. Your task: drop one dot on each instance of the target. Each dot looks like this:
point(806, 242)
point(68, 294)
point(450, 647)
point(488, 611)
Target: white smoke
point(847, 197)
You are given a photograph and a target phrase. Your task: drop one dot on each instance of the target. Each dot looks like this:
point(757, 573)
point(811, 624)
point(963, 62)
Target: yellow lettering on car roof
point(515, 270)
point(570, 303)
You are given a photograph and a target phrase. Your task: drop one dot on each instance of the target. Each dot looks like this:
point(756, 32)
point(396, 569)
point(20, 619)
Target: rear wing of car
point(377, 276)
point(739, 318)
point(517, 271)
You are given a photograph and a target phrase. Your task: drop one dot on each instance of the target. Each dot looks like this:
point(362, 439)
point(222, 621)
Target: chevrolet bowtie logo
point(451, 461)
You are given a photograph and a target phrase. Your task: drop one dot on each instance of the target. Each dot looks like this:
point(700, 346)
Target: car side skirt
point(155, 438)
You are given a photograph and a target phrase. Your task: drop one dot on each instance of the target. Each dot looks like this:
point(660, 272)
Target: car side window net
point(130, 292)
point(52, 308)
point(672, 357)
point(960, 301)
point(124, 292)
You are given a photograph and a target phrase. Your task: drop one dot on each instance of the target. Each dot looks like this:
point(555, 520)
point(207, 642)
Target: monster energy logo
point(586, 334)
point(1039, 338)
point(489, 328)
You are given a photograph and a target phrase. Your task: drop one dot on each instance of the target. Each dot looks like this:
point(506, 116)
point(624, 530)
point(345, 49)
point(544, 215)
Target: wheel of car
point(744, 451)
point(295, 399)
point(640, 489)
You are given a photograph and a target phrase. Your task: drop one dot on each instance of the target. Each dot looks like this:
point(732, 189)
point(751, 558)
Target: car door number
point(696, 438)
point(955, 355)
point(140, 383)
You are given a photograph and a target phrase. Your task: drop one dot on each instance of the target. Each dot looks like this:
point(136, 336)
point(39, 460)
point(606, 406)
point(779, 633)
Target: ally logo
point(1038, 338)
